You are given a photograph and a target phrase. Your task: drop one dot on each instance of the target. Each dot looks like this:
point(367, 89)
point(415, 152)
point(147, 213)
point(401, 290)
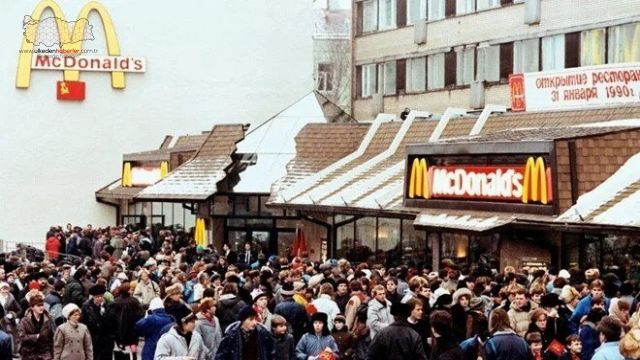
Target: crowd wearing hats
point(100, 293)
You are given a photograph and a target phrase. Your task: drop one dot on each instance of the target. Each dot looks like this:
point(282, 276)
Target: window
point(571, 50)
point(390, 78)
point(325, 77)
point(624, 43)
point(506, 60)
point(370, 16)
point(465, 64)
point(344, 235)
point(489, 63)
point(449, 8)
point(416, 74)
point(435, 71)
point(553, 52)
point(388, 234)
point(401, 75)
point(450, 68)
point(592, 45)
point(465, 6)
point(369, 77)
point(436, 9)
point(366, 232)
point(387, 13)
point(416, 10)
point(487, 4)
point(526, 56)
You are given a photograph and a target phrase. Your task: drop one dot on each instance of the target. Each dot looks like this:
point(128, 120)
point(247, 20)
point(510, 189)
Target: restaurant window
point(325, 77)
point(366, 235)
point(465, 6)
point(435, 71)
point(450, 8)
point(450, 68)
point(285, 241)
point(416, 74)
point(622, 251)
point(416, 10)
point(506, 60)
point(484, 249)
point(370, 16)
point(624, 43)
point(414, 244)
point(489, 63)
point(246, 205)
point(526, 56)
point(221, 205)
point(156, 208)
point(167, 211)
point(387, 13)
point(436, 9)
point(389, 78)
point(369, 80)
point(344, 235)
point(455, 247)
point(572, 50)
point(488, 4)
point(189, 219)
point(389, 235)
point(592, 253)
point(237, 239)
point(465, 63)
point(592, 47)
point(553, 52)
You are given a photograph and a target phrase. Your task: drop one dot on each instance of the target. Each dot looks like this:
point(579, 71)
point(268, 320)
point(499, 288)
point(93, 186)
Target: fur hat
point(568, 294)
point(69, 309)
point(36, 300)
point(461, 292)
point(175, 289)
point(246, 312)
point(340, 318)
point(476, 303)
point(257, 294)
point(322, 317)
point(156, 303)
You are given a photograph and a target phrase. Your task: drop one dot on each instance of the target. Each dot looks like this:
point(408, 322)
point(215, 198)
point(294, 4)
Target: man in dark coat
point(247, 256)
point(445, 348)
point(122, 315)
point(6, 351)
point(398, 338)
point(36, 331)
point(295, 313)
point(93, 315)
point(74, 291)
point(247, 340)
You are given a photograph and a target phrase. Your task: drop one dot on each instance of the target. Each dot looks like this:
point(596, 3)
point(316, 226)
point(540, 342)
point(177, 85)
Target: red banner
point(516, 82)
point(70, 90)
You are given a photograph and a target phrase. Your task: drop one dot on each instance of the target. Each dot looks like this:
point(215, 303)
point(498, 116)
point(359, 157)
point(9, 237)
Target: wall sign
point(576, 88)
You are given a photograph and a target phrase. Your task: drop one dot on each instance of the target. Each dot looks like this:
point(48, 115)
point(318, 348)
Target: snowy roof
point(197, 179)
point(469, 222)
point(614, 202)
point(115, 191)
point(273, 141)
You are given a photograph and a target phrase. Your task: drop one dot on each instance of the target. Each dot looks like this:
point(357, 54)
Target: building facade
point(435, 54)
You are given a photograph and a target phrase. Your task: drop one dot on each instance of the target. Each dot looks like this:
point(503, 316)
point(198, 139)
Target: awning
point(465, 221)
point(115, 192)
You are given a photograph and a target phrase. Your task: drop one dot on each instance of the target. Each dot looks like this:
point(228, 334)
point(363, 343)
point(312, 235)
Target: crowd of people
point(100, 293)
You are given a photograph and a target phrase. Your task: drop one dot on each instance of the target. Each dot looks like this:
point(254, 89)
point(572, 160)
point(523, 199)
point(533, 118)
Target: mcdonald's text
point(89, 63)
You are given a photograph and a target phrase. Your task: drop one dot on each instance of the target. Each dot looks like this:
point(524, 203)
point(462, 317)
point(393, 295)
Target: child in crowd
point(285, 344)
point(534, 339)
point(343, 338)
point(574, 348)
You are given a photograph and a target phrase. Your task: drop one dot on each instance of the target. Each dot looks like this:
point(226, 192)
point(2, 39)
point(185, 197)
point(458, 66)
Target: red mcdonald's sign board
point(516, 83)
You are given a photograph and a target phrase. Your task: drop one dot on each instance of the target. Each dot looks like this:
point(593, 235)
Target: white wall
point(207, 61)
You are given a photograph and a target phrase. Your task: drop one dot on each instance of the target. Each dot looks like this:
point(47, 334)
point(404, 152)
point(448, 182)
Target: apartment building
point(435, 54)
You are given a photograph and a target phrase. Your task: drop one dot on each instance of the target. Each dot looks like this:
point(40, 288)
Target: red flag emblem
point(70, 90)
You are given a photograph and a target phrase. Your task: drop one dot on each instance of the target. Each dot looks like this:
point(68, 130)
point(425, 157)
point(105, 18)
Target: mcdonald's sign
point(529, 183)
point(516, 83)
point(69, 57)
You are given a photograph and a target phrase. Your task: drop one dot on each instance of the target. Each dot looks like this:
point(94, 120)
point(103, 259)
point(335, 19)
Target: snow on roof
point(624, 122)
point(614, 202)
point(461, 222)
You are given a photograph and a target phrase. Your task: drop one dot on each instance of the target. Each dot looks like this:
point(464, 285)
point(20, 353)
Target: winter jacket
point(53, 248)
point(608, 351)
point(6, 351)
point(446, 348)
point(589, 338)
point(231, 346)
point(146, 292)
point(11, 304)
point(53, 305)
point(326, 305)
point(228, 308)
point(459, 317)
point(378, 316)
point(397, 339)
point(36, 344)
point(506, 345)
point(101, 335)
point(345, 342)
point(296, 316)
point(72, 342)
point(352, 309)
point(151, 328)
point(312, 345)
point(285, 347)
point(173, 346)
point(583, 308)
point(519, 318)
point(73, 293)
point(122, 315)
point(211, 334)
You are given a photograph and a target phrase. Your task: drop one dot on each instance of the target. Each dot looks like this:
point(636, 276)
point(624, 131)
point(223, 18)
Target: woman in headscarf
point(72, 339)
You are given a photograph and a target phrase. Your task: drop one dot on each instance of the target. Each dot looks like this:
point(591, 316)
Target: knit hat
point(156, 303)
point(257, 294)
point(69, 309)
point(564, 274)
point(246, 312)
point(36, 300)
point(340, 318)
point(568, 294)
point(287, 289)
point(476, 303)
point(4, 284)
point(34, 285)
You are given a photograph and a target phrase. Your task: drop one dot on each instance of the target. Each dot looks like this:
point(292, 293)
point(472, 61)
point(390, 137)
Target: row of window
point(375, 15)
point(494, 63)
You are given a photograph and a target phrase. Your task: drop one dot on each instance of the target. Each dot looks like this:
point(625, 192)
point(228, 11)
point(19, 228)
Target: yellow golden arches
point(164, 169)
point(126, 175)
point(534, 186)
point(200, 235)
point(419, 181)
point(23, 77)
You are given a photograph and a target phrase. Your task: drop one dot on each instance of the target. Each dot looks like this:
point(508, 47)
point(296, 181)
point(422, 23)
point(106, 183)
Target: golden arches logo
point(537, 182)
point(23, 77)
point(419, 179)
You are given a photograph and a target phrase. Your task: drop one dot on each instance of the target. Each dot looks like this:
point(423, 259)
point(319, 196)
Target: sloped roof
point(197, 179)
point(115, 191)
point(182, 143)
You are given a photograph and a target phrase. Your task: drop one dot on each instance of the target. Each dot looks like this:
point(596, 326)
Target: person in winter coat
point(53, 303)
point(460, 313)
point(283, 341)
point(444, 345)
point(245, 339)
point(260, 304)
point(36, 331)
point(229, 305)
point(6, 349)
point(596, 291)
point(173, 303)
point(343, 338)
point(610, 330)
point(324, 303)
point(182, 342)
point(318, 340)
point(53, 248)
point(74, 291)
point(208, 326)
point(123, 313)
point(519, 312)
point(392, 290)
point(504, 343)
point(8, 302)
point(398, 338)
point(151, 326)
point(588, 333)
point(72, 340)
point(146, 289)
point(295, 313)
point(93, 315)
point(379, 311)
point(357, 297)
point(539, 324)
